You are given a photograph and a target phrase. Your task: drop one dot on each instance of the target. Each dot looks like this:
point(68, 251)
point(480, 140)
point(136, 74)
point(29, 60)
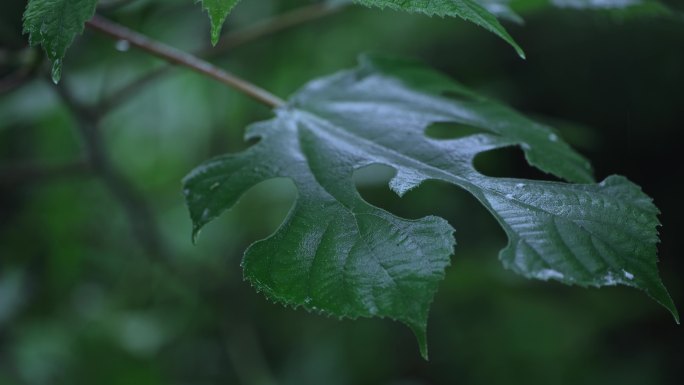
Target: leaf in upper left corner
point(218, 11)
point(54, 24)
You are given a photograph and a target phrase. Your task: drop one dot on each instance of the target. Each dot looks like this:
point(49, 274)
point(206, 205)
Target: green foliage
point(340, 256)
point(218, 11)
point(337, 254)
point(53, 24)
point(469, 10)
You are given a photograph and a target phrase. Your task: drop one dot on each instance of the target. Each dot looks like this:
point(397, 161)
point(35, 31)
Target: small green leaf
point(470, 10)
point(218, 11)
point(338, 255)
point(54, 24)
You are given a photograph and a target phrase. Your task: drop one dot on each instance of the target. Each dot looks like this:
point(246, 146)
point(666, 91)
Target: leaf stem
point(175, 56)
point(229, 41)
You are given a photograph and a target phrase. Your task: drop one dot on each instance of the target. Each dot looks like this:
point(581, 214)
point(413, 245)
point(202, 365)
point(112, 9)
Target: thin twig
point(271, 26)
point(123, 94)
point(185, 59)
point(143, 223)
point(229, 41)
point(28, 172)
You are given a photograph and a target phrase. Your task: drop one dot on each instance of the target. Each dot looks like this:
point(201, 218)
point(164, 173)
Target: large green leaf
point(470, 10)
point(338, 255)
point(218, 11)
point(54, 24)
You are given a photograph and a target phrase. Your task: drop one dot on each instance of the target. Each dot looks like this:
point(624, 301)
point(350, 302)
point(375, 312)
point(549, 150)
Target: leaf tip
point(659, 293)
point(196, 230)
point(215, 35)
point(675, 314)
point(421, 336)
point(520, 52)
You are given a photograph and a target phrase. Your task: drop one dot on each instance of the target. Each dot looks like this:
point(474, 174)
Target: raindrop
point(553, 137)
point(609, 279)
point(206, 214)
point(549, 273)
point(56, 71)
point(520, 185)
point(214, 186)
point(628, 275)
point(509, 196)
point(122, 45)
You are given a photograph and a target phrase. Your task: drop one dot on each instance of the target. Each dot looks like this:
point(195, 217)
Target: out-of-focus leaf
point(53, 24)
point(218, 11)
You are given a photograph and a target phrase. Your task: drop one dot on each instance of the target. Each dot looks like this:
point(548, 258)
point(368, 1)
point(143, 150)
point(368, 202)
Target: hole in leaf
point(509, 162)
point(476, 229)
point(373, 175)
point(256, 215)
point(448, 131)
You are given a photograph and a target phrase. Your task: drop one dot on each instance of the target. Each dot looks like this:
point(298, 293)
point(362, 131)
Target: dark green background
point(81, 303)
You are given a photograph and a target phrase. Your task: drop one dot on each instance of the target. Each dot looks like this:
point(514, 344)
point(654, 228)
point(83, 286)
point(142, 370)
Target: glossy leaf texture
point(470, 10)
point(340, 256)
point(218, 11)
point(54, 24)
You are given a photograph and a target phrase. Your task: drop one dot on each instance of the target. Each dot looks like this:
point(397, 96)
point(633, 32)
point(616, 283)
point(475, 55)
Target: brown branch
point(143, 223)
point(229, 41)
point(185, 59)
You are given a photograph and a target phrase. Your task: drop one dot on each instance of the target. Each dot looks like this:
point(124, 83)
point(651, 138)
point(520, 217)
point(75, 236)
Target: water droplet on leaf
point(122, 45)
point(56, 71)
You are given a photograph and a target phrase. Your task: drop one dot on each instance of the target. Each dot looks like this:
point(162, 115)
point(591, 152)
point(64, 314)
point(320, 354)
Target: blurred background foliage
point(85, 299)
